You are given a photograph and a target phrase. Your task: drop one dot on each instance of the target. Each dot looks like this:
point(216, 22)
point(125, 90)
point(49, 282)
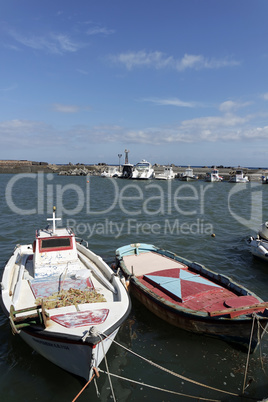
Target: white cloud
point(229, 128)
point(142, 58)
point(65, 108)
point(159, 60)
point(97, 30)
point(265, 96)
point(10, 88)
point(230, 106)
point(53, 43)
point(170, 102)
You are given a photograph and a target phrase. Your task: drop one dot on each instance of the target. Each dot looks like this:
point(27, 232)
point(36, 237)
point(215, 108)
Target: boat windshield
point(142, 165)
point(55, 243)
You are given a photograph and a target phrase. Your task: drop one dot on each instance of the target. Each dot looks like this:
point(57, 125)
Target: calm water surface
point(177, 216)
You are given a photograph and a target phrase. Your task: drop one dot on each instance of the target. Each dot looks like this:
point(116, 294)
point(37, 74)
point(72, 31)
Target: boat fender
point(263, 250)
point(34, 246)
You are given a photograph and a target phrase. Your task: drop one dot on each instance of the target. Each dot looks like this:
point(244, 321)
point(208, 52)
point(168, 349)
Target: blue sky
point(173, 81)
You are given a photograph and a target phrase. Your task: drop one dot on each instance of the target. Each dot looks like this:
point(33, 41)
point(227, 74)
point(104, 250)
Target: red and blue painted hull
point(193, 298)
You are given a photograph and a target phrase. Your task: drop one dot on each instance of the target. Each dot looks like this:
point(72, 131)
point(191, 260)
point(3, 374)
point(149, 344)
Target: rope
point(259, 340)
point(93, 330)
point(175, 374)
point(160, 389)
point(106, 363)
point(249, 347)
point(264, 329)
point(80, 392)
point(96, 388)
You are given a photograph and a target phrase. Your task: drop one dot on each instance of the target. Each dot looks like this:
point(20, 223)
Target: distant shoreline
point(23, 166)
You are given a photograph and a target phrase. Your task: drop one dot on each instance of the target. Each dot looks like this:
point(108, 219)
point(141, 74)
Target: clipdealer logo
point(164, 202)
point(134, 227)
point(138, 206)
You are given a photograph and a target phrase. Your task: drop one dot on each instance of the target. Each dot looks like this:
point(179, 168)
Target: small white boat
point(168, 174)
point(239, 177)
point(213, 176)
point(259, 244)
point(264, 179)
point(127, 170)
point(143, 171)
point(188, 175)
point(111, 171)
point(63, 300)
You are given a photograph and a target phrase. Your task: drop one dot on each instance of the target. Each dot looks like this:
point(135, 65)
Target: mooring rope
point(107, 368)
point(249, 347)
point(82, 390)
point(160, 389)
point(172, 372)
point(259, 339)
point(264, 329)
point(102, 336)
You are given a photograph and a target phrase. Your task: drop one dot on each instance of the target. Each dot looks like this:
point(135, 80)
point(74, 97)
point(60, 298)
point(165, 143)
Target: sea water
point(205, 222)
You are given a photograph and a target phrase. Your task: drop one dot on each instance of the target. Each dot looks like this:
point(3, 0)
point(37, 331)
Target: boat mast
point(54, 219)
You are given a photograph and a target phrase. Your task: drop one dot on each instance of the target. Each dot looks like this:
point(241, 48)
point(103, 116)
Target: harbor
point(146, 350)
point(83, 169)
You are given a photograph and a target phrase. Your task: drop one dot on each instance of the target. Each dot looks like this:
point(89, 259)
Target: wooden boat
point(192, 297)
point(63, 300)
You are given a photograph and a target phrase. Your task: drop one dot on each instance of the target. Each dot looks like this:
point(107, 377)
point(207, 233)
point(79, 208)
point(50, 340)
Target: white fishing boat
point(63, 300)
point(213, 176)
point(259, 244)
point(264, 179)
point(188, 175)
point(143, 171)
point(167, 174)
point(127, 170)
point(111, 171)
point(239, 177)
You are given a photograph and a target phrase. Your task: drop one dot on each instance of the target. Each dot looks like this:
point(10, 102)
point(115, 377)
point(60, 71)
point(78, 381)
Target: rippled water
point(177, 216)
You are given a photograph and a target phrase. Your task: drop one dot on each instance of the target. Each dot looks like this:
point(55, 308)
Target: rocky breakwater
point(81, 171)
point(78, 170)
point(23, 166)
